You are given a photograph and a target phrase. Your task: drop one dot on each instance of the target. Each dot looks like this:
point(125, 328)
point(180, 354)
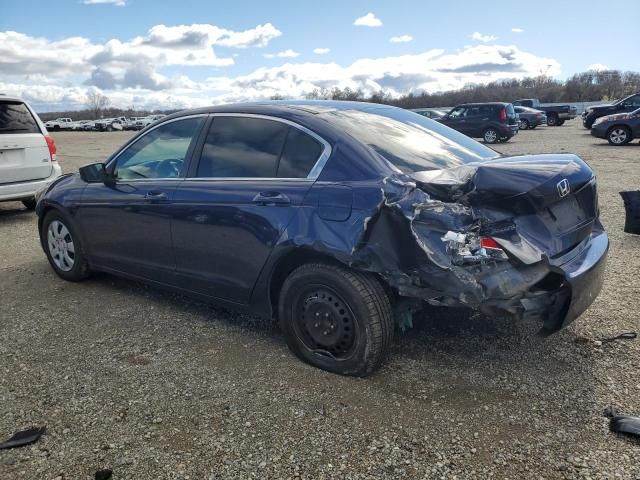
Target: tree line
point(581, 87)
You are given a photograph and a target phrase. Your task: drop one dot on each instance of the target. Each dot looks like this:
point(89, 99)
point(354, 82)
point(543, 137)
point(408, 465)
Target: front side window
point(15, 117)
point(247, 147)
point(634, 101)
point(160, 153)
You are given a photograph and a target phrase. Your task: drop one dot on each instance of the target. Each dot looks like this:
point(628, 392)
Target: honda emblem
point(563, 188)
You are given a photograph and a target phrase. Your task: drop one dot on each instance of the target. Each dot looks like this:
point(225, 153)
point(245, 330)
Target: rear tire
point(619, 135)
point(552, 120)
point(524, 125)
point(336, 319)
point(30, 203)
point(63, 248)
point(490, 136)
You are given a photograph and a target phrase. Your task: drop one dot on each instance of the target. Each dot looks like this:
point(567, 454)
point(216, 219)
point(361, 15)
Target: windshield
point(411, 142)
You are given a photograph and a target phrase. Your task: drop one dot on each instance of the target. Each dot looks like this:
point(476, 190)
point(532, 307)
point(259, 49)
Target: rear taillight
point(488, 242)
point(503, 115)
point(52, 147)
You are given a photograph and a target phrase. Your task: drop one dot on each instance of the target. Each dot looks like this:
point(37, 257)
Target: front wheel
point(336, 319)
point(619, 136)
point(63, 249)
point(490, 135)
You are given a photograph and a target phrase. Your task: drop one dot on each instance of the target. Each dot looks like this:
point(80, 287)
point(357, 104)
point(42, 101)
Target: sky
point(176, 54)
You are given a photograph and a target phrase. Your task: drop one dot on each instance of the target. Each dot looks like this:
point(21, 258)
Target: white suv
point(27, 153)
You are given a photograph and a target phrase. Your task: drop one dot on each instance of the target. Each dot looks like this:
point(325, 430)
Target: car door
point(454, 118)
point(126, 222)
point(252, 175)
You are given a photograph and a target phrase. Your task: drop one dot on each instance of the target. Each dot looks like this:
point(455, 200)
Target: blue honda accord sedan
point(338, 219)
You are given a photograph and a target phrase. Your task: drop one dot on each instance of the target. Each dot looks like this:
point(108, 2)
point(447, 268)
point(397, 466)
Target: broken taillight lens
point(469, 248)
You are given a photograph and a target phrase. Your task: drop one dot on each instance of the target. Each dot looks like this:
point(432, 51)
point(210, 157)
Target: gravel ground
point(159, 386)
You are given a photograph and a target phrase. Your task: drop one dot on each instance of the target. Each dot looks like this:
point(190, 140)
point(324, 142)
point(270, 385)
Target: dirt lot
point(159, 386)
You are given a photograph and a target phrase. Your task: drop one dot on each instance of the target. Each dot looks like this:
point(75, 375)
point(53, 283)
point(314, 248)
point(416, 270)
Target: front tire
point(336, 319)
point(490, 135)
point(62, 246)
point(619, 135)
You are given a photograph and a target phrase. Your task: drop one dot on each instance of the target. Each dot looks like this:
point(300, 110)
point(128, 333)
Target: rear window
point(410, 141)
point(15, 117)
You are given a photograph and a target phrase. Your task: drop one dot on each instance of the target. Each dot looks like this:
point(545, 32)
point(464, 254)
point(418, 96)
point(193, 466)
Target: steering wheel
point(168, 168)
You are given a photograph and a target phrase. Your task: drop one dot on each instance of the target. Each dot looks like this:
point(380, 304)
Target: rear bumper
point(584, 275)
point(24, 190)
point(566, 116)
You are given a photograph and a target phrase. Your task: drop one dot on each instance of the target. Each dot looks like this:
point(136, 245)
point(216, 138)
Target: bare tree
point(97, 102)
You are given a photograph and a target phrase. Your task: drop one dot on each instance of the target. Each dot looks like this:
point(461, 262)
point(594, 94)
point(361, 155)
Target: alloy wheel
point(61, 246)
point(618, 136)
point(490, 136)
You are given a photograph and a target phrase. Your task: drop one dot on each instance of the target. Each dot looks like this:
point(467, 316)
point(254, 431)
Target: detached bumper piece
point(632, 208)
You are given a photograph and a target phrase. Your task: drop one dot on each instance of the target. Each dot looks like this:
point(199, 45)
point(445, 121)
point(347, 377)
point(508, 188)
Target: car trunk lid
point(551, 200)
point(24, 157)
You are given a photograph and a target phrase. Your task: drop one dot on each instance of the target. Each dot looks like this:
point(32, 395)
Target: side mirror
point(94, 173)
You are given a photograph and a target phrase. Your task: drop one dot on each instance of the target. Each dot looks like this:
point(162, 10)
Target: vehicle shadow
point(12, 210)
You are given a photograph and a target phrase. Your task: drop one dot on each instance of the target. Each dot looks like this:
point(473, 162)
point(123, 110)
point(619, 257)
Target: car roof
point(284, 108)
point(10, 99)
point(476, 104)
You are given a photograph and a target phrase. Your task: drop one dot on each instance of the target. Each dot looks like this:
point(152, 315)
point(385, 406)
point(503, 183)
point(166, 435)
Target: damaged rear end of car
point(514, 235)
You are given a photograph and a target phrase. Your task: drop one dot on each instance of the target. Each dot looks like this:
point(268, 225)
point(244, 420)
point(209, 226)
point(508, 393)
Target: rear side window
point(242, 147)
point(15, 117)
point(300, 154)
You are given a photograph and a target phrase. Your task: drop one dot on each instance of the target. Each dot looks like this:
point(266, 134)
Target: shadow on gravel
point(12, 211)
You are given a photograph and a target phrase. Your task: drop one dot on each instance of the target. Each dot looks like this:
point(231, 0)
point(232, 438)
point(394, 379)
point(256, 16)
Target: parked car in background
point(530, 118)
point(27, 153)
point(618, 129)
point(624, 105)
point(132, 123)
point(556, 114)
point(109, 124)
point(431, 113)
point(83, 125)
point(493, 122)
point(59, 124)
point(146, 121)
point(268, 216)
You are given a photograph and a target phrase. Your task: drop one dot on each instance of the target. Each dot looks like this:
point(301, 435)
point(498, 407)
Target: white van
point(27, 153)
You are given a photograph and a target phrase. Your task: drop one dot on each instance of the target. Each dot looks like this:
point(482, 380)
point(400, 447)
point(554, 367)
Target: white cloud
point(401, 39)
point(369, 20)
point(517, 30)
point(146, 85)
point(117, 3)
point(479, 37)
point(598, 67)
point(321, 51)
point(186, 45)
point(284, 54)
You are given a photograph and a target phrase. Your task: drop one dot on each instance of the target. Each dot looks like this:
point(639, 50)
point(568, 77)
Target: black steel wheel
point(336, 319)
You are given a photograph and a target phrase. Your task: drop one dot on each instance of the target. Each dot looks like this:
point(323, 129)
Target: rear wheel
point(552, 120)
point(63, 249)
point(30, 203)
point(619, 135)
point(524, 124)
point(336, 319)
point(490, 135)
